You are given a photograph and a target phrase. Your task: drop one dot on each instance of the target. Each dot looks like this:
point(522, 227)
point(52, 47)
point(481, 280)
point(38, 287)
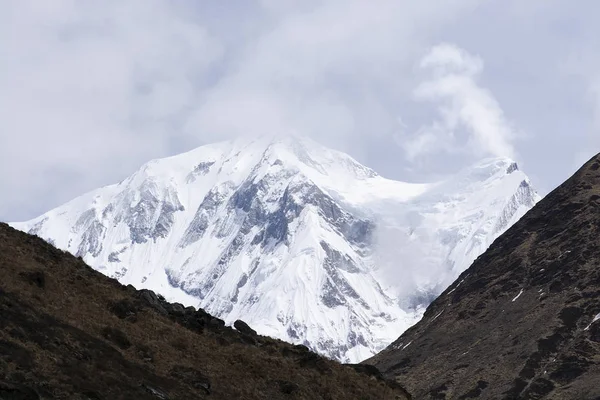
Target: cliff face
point(524, 320)
point(69, 332)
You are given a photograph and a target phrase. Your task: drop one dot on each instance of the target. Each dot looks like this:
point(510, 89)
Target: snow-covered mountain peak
point(325, 161)
point(485, 170)
point(233, 161)
point(301, 241)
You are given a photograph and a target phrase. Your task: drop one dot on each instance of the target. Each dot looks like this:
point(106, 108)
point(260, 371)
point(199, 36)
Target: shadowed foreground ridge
point(523, 322)
point(69, 332)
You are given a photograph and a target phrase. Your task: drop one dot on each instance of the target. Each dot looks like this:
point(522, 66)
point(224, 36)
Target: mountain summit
point(302, 242)
point(523, 322)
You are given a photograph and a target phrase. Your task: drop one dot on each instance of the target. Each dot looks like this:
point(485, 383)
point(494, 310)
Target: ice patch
point(456, 286)
point(596, 318)
point(517, 296)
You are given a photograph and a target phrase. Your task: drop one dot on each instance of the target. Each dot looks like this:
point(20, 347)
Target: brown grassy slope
point(518, 323)
point(69, 332)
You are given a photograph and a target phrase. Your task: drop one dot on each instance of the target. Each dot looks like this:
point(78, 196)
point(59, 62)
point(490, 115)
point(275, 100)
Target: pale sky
point(89, 91)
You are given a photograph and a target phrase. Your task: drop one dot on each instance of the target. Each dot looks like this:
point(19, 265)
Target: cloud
point(467, 112)
point(92, 90)
point(89, 91)
point(327, 69)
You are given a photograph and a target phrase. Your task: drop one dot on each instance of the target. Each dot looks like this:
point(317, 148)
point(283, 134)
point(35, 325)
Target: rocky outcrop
point(243, 327)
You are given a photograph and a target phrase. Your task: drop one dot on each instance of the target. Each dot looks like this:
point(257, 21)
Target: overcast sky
point(89, 91)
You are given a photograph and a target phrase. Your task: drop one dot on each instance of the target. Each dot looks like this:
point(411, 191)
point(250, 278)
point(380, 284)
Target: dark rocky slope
point(519, 323)
point(69, 332)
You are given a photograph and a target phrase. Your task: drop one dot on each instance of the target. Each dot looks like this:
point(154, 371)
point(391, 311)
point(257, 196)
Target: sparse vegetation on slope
point(69, 332)
point(523, 322)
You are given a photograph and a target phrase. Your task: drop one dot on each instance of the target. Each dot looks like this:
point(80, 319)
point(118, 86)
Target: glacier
point(300, 241)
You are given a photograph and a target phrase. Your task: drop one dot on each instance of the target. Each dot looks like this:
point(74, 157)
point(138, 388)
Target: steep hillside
point(303, 242)
point(69, 332)
point(524, 320)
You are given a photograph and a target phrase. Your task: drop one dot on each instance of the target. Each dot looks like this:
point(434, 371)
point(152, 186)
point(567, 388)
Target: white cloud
point(467, 112)
point(328, 69)
point(94, 89)
point(89, 90)
point(447, 59)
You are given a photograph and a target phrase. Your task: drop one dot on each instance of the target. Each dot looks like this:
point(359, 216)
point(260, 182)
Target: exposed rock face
point(300, 241)
point(69, 332)
point(523, 322)
point(243, 327)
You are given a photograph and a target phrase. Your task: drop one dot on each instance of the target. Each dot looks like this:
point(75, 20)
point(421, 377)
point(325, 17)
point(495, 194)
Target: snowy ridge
point(300, 241)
